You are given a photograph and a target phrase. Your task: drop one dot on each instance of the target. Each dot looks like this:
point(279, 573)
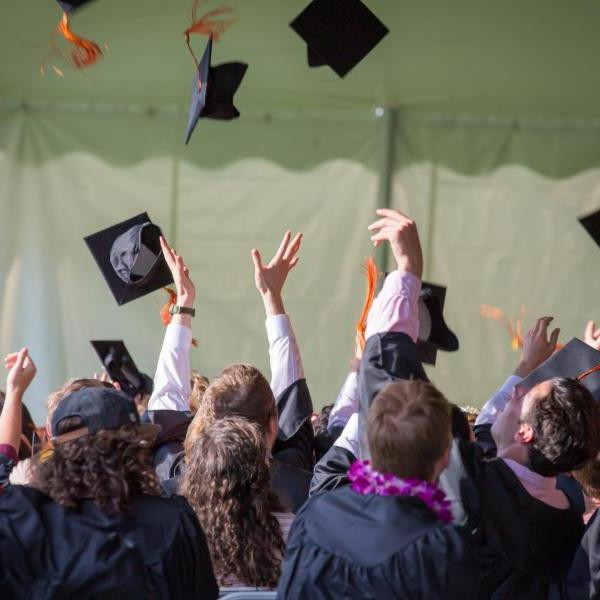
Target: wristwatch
point(182, 310)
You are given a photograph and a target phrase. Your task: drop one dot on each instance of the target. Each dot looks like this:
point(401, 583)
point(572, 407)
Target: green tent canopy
point(481, 120)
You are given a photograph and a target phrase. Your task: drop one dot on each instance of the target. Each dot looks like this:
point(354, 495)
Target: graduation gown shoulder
point(46, 551)
point(345, 545)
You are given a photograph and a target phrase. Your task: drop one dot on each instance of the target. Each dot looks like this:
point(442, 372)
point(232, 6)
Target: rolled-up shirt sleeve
point(396, 307)
point(172, 381)
point(496, 404)
point(346, 403)
point(284, 354)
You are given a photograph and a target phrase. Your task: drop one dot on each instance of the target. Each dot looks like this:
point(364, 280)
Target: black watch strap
point(182, 310)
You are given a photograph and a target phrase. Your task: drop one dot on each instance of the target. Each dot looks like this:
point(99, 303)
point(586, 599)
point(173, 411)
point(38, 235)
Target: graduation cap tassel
point(165, 311)
point(372, 273)
point(84, 53)
point(208, 24)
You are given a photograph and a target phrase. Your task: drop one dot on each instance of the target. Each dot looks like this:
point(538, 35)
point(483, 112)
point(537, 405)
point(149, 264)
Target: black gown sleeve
point(331, 471)
point(295, 441)
point(187, 566)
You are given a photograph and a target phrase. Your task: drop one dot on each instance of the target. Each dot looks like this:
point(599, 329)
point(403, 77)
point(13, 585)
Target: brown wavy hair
point(240, 390)
point(108, 467)
point(227, 483)
point(199, 384)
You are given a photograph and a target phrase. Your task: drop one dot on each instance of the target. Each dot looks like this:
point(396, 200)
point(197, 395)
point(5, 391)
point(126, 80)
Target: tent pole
point(388, 120)
point(174, 202)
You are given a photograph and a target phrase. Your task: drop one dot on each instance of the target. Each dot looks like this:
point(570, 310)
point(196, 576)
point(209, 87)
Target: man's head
point(409, 430)
point(552, 429)
point(239, 391)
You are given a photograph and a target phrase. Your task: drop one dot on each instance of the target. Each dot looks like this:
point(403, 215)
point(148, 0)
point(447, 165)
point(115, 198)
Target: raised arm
point(396, 308)
point(284, 354)
point(173, 371)
point(536, 349)
point(22, 370)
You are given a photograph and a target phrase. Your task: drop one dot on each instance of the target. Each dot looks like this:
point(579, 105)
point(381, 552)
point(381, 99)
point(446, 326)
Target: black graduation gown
point(524, 545)
point(293, 452)
point(582, 580)
point(387, 357)
point(344, 545)
point(290, 483)
point(47, 551)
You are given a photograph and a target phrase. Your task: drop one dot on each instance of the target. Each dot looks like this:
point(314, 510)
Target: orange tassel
point(372, 273)
point(84, 53)
point(209, 24)
point(165, 311)
point(515, 332)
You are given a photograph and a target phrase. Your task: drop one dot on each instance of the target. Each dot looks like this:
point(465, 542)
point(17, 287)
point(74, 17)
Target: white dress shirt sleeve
point(284, 354)
point(396, 307)
point(172, 381)
point(496, 404)
point(346, 403)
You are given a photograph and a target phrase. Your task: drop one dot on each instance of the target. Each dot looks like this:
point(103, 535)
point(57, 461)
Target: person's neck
point(516, 452)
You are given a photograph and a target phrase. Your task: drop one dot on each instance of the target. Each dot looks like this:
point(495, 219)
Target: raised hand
point(270, 278)
point(537, 347)
point(401, 233)
point(21, 372)
point(186, 292)
point(591, 335)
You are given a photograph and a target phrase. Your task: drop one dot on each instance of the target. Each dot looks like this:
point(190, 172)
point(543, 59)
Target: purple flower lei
point(366, 480)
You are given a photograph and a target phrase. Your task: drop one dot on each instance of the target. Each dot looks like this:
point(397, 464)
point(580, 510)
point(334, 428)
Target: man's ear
point(524, 434)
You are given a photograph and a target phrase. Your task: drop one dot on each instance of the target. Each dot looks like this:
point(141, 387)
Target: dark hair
point(227, 483)
point(240, 390)
point(408, 429)
point(565, 425)
point(323, 440)
point(108, 468)
point(461, 430)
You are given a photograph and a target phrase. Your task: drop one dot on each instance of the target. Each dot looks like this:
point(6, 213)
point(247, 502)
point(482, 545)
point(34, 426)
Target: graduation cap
point(130, 258)
point(69, 6)
point(434, 334)
point(576, 360)
point(338, 33)
point(120, 367)
point(591, 223)
point(213, 89)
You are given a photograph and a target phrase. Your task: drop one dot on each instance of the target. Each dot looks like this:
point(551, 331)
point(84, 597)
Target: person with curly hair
point(92, 523)
point(227, 483)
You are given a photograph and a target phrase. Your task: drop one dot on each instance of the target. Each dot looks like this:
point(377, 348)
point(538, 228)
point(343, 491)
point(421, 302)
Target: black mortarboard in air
point(591, 224)
point(130, 258)
point(70, 6)
point(576, 360)
point(213, 89)
point(121, 368)
point(338, 33)
point(434, 334)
